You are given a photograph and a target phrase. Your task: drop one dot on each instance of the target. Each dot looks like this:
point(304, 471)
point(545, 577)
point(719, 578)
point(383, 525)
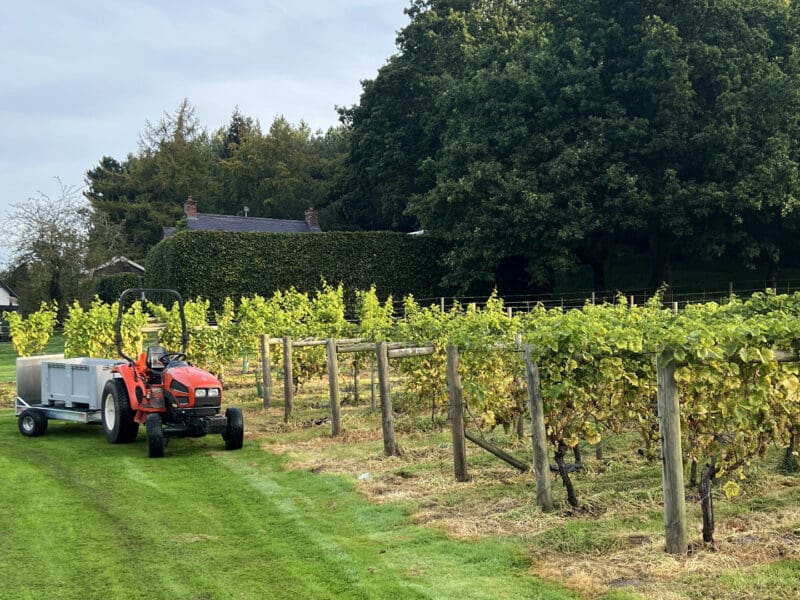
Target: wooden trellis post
point(456, 414)
point(288, 390)
point(387, 418)
point(266, 370)
point(669, 424)
point(541, 461)
point(333, 386)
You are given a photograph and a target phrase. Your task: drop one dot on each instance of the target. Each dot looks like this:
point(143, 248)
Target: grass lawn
point(85, 519)
point(299, 514)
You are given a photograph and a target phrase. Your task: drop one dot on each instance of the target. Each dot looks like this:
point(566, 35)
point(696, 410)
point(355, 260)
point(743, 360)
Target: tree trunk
point(693, 473)
point(789, 463)
point(598, 451)
point(660, 265)
point(597, 264)
point(576, 451)
point(562, 470)
point(707, 502)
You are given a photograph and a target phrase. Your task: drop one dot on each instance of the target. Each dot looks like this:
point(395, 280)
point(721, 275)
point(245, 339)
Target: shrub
point(216, 265)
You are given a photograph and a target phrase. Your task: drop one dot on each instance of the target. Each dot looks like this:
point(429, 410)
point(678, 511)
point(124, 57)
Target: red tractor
point(169, 395)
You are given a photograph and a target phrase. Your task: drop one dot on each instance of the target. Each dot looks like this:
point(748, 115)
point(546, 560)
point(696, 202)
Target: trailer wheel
point(32, 423)
point(234, 428)
point(156, 442)
point(118, 423)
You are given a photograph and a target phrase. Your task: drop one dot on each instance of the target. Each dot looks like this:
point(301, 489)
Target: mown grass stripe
point(85, 519)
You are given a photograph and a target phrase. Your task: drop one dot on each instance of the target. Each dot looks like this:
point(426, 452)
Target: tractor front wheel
point(118, 423)
point(32, 423)
point(234, 428)
point(156, 441)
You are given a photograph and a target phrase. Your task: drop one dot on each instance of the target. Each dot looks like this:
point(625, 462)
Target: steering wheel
point(168, 357)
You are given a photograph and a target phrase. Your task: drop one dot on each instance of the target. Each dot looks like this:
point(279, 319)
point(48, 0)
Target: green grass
point(85, 519)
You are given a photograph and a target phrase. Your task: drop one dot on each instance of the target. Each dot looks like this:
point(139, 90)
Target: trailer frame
point(77, 415)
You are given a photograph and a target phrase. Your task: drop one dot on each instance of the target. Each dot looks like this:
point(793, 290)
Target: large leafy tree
point(278, 174)
point(395, 131)
point(557, 132)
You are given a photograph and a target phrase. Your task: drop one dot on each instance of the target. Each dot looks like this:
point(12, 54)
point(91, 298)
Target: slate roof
point(207, 222)
point(204, 222)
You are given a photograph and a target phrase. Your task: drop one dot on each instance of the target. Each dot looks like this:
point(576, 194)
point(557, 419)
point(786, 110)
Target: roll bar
point(143, 292)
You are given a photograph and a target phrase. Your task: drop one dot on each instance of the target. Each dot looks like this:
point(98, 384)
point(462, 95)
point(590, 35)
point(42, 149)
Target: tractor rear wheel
point(118, 423)
point(32, 423)
point(234, 428)
point(156, 441)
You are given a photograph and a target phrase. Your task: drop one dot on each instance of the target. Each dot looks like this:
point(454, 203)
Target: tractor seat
point(154, 354)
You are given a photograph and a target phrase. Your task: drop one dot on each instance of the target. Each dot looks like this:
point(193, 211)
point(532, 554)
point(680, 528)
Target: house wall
point(6, 299)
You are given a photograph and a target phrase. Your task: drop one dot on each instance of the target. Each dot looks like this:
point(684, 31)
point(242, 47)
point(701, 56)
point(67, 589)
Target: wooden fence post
point(541, 461)
point(387, 419)
point(372, 384)
point(288, 390)
point(520, 400)
point(669, 423)
point(333, 386)
point(266, 371)
point(456, 414)
point(356, 391)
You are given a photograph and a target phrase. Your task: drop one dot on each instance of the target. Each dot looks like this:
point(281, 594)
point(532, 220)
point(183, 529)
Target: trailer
point(51, 387)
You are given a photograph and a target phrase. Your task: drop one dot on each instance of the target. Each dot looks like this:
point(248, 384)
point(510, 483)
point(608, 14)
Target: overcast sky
point(81, 77)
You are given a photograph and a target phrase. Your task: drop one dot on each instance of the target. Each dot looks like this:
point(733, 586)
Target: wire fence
point(679, 297)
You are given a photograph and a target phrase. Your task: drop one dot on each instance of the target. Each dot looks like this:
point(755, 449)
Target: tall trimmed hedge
point(218, 264)
point(110, 287)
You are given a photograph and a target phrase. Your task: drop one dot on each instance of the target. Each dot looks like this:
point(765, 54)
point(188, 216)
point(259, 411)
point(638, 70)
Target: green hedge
point(111, 286)
point(214, 265)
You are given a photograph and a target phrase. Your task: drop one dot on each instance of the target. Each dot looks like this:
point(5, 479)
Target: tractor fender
point(133, 384)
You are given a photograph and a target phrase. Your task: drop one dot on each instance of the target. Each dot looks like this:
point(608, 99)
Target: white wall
point(6, 299)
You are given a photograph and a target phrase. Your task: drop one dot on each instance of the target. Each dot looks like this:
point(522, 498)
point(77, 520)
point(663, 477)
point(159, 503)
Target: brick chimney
point(312, 218)
point(190, 208)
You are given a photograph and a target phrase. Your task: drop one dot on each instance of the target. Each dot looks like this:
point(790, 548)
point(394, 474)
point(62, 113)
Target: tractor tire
point(118, 423)
point(32, 423)
point(234, 428)
point(156, 441)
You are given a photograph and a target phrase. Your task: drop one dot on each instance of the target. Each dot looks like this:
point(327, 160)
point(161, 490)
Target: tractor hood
point(191, 376)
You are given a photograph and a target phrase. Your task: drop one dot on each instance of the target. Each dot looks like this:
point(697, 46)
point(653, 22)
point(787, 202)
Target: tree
point(146, 192)
point(395, 130)
point(655, 125)
point(48, 238)
point(277, 174)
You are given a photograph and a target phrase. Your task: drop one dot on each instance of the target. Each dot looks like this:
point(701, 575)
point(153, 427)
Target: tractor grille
point(203, 402)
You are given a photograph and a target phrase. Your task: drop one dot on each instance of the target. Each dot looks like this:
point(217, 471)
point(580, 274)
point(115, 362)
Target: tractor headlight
point(213, 392)
point(200, 393)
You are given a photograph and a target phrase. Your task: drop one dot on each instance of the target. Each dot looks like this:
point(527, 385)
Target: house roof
point(209, 222)
point(117, 260)
point(196, 221)
point(206, 222)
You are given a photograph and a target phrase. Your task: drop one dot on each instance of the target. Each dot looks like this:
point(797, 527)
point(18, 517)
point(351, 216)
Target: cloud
point(81, 78)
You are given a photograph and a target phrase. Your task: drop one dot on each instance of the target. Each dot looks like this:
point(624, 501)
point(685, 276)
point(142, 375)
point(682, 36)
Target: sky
point(80, 78)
